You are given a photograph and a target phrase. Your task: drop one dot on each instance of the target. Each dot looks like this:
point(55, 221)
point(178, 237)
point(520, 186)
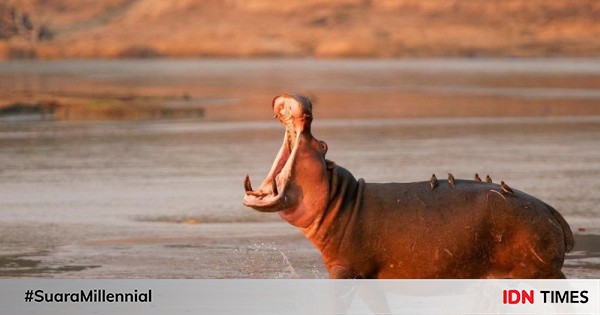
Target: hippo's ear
point(330, 164)
point(324, 147)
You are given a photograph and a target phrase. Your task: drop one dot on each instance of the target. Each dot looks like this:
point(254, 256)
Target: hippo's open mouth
point(271, 195)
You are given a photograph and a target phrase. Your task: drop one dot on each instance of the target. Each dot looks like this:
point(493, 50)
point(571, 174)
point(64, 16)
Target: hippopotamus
point(451, 228)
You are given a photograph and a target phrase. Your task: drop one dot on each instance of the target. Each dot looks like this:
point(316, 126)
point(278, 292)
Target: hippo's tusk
point(248, 184)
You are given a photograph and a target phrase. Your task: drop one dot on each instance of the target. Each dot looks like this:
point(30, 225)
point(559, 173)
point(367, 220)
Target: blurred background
point(127, 126)
point(50, 29)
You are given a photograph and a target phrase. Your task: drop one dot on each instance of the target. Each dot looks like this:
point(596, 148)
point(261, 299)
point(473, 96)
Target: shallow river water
point(77, 195)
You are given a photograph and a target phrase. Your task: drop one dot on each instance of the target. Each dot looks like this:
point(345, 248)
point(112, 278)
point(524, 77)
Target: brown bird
point(477, 179)
point(488, 179)
point(506, 189)
point(451, 180)
point(433, 182)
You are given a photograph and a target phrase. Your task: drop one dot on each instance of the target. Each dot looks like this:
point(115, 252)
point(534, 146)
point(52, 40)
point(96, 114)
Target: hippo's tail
point(569, 240)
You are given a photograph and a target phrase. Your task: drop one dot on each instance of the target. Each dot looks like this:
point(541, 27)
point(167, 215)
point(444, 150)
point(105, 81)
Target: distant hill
point(298, 28)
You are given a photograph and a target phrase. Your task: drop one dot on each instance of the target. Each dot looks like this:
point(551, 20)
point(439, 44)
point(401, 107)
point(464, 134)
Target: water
point(162, 199)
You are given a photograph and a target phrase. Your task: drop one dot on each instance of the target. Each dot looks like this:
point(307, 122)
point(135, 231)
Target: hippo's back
point(467, 230)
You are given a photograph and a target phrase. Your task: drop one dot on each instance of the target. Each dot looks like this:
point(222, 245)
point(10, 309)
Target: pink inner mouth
point(270, 196)
point(279, 182)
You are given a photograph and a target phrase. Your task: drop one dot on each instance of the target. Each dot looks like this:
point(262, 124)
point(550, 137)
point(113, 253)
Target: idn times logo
point(547, 297)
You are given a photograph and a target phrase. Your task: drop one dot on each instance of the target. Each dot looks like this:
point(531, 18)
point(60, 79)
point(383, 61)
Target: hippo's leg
point(523, 260)
point(524, 274)
point(530, 245)
point(341, 272)
point(373, 297)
